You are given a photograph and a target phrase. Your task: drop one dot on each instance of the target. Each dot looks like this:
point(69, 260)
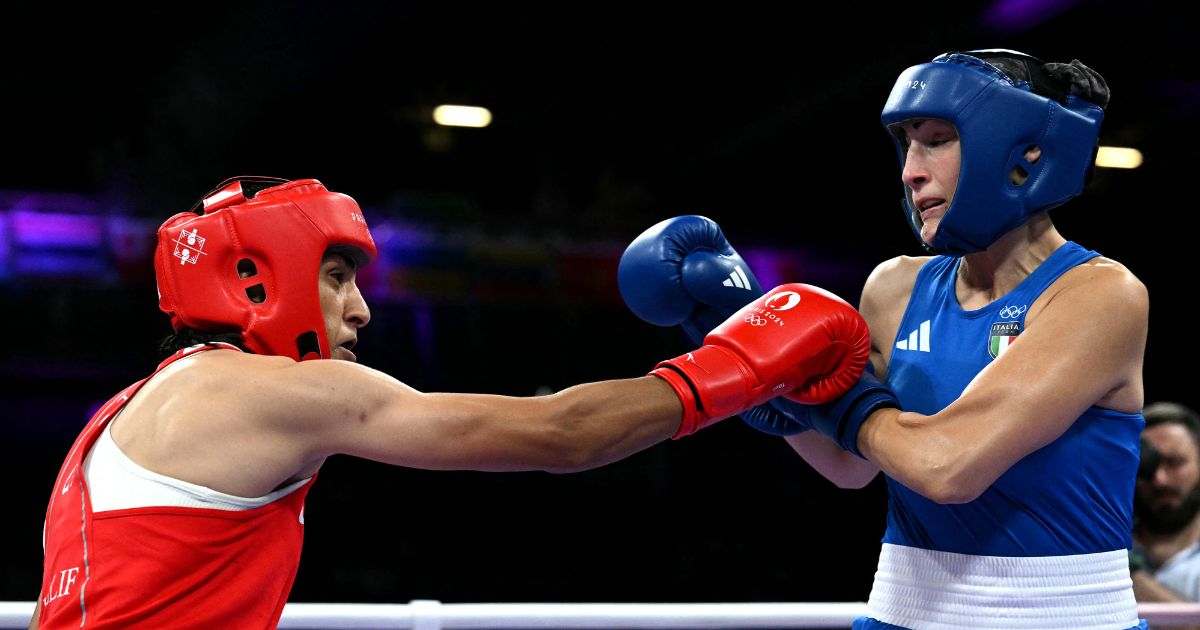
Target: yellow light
point(462, 116)
point(1118, 157)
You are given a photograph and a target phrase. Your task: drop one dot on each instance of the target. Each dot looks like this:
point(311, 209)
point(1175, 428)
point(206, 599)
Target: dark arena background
point(500, 245)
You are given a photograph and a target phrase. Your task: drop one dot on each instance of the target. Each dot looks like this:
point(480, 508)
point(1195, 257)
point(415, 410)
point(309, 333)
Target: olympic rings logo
point(755, 320)
point(1009, 312)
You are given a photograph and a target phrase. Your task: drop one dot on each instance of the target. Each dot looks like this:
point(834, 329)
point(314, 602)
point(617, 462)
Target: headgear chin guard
point(247, 256)
point(998, 119)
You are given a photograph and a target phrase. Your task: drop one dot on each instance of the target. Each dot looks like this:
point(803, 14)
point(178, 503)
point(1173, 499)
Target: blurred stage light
point(462, 116)
point(1015, 16)
point(1118, 157)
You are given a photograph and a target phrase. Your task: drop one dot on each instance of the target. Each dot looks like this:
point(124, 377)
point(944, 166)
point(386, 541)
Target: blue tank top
point(1073, 496)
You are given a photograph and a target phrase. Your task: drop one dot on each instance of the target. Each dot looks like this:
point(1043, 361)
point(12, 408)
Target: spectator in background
point(1165, 563)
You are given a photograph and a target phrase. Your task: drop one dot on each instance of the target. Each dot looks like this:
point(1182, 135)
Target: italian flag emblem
point(1003, 334)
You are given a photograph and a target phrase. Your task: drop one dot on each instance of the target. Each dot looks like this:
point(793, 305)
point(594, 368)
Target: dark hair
point(1052, 80)
point(353, 255)
point(187, 337)
point(1173, 413)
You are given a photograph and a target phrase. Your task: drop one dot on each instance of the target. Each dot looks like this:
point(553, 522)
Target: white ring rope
point(434, 615)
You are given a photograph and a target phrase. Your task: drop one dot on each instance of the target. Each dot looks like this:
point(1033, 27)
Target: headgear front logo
point(783, 301)
point(361, 223)
point(189, 246)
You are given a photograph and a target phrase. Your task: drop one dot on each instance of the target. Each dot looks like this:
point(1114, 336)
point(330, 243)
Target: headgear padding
point(998, 119)
point(249, 262)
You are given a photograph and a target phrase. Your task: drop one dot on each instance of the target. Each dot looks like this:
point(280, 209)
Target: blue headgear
point(998, 118)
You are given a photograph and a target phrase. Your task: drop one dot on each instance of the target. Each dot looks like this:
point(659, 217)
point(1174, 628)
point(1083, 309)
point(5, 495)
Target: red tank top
point(164, 567)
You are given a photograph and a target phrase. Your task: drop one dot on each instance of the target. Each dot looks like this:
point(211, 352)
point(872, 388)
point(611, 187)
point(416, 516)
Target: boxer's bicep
point(338, 407)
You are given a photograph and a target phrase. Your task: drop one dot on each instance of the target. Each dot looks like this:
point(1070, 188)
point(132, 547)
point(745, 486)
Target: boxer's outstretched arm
point(246, 424)
point(313, 409)
point(330, 407)
point(578, 428)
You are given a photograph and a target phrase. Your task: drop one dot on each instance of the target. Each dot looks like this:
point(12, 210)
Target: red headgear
point(246, 259)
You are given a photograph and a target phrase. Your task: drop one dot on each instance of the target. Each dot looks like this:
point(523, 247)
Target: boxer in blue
point(1003, 397)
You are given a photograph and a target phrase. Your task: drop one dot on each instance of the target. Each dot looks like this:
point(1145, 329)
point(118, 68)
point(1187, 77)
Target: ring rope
point(434, 615)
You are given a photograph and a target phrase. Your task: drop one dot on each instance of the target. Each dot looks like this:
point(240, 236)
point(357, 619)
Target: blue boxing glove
point(779, 416)
point(841, 419)
point(684, 272)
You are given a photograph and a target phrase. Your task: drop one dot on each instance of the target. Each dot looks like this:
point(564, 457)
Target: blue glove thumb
point(683, 272)
point(779, 416)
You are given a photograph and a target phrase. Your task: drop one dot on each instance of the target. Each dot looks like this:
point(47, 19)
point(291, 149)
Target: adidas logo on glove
point(737, 279)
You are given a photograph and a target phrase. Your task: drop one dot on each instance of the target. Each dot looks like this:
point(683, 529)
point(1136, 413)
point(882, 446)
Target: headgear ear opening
point(308, 346)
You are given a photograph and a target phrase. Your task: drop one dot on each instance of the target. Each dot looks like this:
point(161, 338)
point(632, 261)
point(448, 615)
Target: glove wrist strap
point(712, 382)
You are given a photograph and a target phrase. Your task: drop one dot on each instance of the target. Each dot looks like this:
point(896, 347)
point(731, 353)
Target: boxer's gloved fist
point(799, 341)
point(682, 271)
point(842, 418)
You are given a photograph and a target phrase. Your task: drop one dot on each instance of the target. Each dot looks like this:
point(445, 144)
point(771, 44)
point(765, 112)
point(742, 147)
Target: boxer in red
point(181, 504)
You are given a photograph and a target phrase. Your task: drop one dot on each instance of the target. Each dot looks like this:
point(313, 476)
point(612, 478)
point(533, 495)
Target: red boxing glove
point(798, 340)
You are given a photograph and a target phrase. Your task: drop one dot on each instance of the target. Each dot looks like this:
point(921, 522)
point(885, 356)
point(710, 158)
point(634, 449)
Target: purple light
point(71, 203)
point(1014, 16)
point(393, 234)
point(774, 267)
point(130, 240)
point(61, 264)
point(5, 247)
point(52, 230)
point(68, 235)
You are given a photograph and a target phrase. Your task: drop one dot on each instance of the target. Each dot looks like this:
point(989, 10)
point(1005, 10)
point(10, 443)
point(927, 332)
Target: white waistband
point(116, 482)
point(938, 590)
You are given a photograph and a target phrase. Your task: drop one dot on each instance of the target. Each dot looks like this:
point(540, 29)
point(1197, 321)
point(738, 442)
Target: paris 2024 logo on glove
point(782, 301)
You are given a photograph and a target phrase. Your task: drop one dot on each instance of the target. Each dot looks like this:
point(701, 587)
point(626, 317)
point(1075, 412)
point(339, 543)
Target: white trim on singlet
point(116, 482)
point(939, 590)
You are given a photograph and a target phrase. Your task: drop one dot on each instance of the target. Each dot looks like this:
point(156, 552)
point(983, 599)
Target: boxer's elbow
point(950, 491)
point(951, 480)
point(569, 456)
point(926, 456)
